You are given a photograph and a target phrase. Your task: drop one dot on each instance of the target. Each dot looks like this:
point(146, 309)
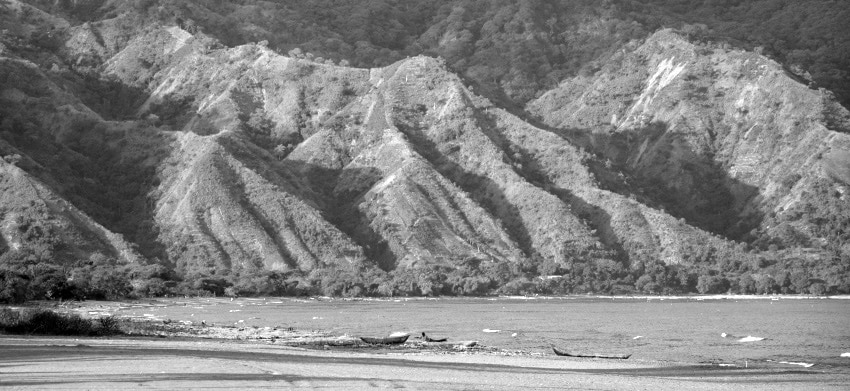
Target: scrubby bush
point(47, 322)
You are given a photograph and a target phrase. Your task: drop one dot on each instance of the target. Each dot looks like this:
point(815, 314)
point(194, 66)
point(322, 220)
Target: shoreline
point(150, 317)
point(168, 354)
point(198, 363)
point(667, 297)
point(308, 299)
point(156, 328)
point(247, 319)
point(151, 327)
point(289, 337)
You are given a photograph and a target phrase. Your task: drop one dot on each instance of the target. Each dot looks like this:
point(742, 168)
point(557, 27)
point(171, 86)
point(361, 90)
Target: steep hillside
point(163, 161)
point(35, 219)
point(35, 109)
point(726, 139)
point(417, 170)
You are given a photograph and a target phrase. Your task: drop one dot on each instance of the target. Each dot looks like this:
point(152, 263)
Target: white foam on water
point(750, 338)
point(802, 364)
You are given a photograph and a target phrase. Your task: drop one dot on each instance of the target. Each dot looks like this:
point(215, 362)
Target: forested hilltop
point(382, 148)
point(516, 48)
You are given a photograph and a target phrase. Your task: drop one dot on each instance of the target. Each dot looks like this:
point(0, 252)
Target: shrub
point(47, 322)
point(53, 323)
point(108, 325)
point(9, 317)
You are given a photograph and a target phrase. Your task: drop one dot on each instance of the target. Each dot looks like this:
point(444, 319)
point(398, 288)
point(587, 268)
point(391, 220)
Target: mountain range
point(145, 155)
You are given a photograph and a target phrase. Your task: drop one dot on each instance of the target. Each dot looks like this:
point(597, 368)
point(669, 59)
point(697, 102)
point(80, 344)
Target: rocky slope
point(242, 168)
point(727, 139)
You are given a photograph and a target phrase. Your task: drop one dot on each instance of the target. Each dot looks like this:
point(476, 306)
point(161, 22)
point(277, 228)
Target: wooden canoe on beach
point(590, 355)
point(391, 340)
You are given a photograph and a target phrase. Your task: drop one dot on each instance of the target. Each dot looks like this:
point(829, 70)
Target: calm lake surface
point(684, 330)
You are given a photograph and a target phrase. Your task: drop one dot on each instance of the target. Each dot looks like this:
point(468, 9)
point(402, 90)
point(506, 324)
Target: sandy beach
point(190, 363)
point(161, 348)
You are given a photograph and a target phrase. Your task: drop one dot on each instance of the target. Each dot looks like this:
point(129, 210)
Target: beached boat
point(429, 339)
point(591, 355)
point(391, 340)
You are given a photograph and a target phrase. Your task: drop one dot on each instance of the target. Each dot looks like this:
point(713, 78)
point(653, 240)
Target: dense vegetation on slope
point(197, 168)
point(810, 38)
point(723, 138)
point(513, 48)
point(524, 48)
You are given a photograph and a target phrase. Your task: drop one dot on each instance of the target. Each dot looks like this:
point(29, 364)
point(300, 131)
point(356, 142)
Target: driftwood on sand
point(560, 352)
point(429, 339)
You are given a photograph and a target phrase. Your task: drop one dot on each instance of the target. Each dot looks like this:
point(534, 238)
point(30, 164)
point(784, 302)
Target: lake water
point(682, 330)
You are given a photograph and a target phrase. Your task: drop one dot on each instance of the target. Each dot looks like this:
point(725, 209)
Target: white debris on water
point(750, 338)
point(802, 364)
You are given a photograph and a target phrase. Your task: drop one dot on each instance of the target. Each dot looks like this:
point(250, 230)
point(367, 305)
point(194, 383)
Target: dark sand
point(160, 363)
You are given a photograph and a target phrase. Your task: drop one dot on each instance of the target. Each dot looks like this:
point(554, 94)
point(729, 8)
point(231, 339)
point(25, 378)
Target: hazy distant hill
point(143, 156)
